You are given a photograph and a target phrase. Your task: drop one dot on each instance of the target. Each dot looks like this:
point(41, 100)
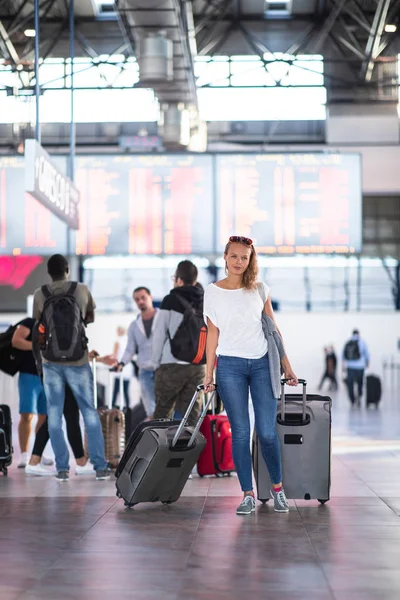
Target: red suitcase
point(216, 457)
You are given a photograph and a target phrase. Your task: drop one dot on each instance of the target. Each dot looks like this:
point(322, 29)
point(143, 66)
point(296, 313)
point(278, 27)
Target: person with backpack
point(235, 309)
point(62, 310)
point(179, 342)
point(355, 360)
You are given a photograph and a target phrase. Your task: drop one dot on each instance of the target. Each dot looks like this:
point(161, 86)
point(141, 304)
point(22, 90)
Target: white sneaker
point(85, 470)
point(47, 462)
point(23, 461)
point(38, 470)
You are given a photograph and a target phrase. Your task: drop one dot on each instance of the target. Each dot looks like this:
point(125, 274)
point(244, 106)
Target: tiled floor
point(75, 541)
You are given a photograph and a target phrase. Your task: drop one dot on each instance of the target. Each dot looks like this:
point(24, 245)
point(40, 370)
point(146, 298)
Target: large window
point(230, 88)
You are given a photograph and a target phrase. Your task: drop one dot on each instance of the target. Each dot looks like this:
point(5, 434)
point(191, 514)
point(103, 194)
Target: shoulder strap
point(186, 304)
point(72, 288)
point(46, 291)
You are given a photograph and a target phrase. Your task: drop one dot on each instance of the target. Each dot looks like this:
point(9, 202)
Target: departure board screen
point(291, 203)
point(26, 226)
point(147, 204)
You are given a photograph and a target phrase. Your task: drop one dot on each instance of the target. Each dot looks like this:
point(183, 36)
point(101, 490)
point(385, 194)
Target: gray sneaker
point(62, 476)
point(102, 474)
point(280, 501)
point(247, 506)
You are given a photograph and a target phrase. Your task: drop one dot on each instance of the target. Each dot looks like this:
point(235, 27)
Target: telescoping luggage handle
point(183, 423)
point(302, 381)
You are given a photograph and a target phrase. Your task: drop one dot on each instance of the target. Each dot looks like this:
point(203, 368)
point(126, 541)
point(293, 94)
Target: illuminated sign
point(45, 182)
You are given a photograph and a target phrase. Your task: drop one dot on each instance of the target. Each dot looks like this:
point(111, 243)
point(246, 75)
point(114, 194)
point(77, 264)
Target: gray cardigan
point(276, 352)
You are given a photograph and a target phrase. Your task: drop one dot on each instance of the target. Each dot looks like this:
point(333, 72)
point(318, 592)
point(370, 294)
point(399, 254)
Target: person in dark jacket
point(330, 368)
point(176, 380)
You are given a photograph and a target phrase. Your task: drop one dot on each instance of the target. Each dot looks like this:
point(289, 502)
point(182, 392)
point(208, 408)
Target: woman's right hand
point(209, 385)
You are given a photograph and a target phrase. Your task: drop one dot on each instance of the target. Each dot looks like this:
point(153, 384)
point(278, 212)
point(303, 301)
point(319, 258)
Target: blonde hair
point(250, 275)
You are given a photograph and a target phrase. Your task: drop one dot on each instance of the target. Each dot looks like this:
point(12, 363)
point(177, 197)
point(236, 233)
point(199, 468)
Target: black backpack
point(10, 358)
point(352, 350)
point(189, 341)
point(61, 330)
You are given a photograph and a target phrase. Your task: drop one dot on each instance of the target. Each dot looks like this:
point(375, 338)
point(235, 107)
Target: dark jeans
point(71, 414)
point(116, 392)
point(355, 376)
point(235, 378)
point(174, 388)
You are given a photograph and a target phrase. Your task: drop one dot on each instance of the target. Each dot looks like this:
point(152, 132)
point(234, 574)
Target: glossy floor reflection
point(75, 541)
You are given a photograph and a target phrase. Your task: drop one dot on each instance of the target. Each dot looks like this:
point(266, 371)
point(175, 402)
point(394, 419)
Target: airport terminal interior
point(157, 145)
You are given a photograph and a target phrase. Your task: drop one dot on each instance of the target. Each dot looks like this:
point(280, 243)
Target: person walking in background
point(330, 368)
point(32, 399)
point(355, 360)
point(62, 309)
point(119, 348)
point(139, 344)
point(177, 378)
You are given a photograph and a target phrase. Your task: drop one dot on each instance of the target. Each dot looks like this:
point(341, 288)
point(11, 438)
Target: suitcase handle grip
point(203, 413)
point(304, 383)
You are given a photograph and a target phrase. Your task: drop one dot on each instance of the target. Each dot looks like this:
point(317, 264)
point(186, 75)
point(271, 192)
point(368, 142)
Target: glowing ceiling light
point(30, 33)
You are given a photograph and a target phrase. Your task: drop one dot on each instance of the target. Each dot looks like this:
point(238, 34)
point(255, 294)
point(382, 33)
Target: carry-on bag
point(304, 430)
point(6, 449)
point(374, 390)
point(112, 424)
point(159, 458)
point(216, 458)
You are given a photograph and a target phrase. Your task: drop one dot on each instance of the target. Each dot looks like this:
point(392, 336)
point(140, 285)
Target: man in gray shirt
point(140, 339)
point(76, 373)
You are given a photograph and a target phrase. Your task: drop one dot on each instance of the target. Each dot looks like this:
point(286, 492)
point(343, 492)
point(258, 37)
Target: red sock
point(277, 489)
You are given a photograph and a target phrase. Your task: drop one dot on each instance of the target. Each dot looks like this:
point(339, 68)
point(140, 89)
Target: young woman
point(233, 310)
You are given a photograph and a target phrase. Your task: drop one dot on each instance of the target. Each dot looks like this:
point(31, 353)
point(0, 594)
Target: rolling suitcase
point(216, 458)
point(304, 431)
point(112, 424)
point(159, 458)
point(6, 448)
point(374, 390)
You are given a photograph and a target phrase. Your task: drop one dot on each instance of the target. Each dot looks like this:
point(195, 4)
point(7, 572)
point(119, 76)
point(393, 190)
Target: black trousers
point(355, 377)
point(71, 414)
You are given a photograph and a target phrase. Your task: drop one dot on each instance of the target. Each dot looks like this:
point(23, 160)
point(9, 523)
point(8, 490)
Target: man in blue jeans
point(355, 360)
point(76, 373)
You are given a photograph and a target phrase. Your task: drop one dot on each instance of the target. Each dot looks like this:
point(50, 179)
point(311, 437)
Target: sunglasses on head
point(239, 239)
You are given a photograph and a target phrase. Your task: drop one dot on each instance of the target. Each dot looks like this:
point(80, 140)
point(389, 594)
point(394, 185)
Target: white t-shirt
point(237, 315)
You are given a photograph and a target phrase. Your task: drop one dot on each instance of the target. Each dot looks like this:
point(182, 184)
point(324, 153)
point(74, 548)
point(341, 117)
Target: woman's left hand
point(291, 376)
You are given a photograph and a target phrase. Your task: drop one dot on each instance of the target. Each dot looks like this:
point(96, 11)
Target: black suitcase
point(6, 448)
point(159, 458)
point(133, 417)
point(374, 390)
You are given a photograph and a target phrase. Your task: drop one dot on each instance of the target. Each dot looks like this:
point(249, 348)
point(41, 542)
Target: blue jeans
point(80, 380)
point(146, 380)
point(235, 376)
point(117, 391)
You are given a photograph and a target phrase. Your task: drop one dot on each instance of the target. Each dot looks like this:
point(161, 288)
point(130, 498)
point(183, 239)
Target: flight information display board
point(147, 204)
point(291, 203)
point(26, 226)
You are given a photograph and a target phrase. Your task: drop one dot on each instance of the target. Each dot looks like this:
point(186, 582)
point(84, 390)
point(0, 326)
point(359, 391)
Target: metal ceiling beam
point(326, 28)
point(8, 45)
point(374, 40)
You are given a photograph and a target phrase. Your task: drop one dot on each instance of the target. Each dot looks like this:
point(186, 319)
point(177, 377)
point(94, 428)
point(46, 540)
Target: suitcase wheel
point(323, 501)
point(167, 502)
point(5, 471)
point(130, 505)
point(263, 501)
